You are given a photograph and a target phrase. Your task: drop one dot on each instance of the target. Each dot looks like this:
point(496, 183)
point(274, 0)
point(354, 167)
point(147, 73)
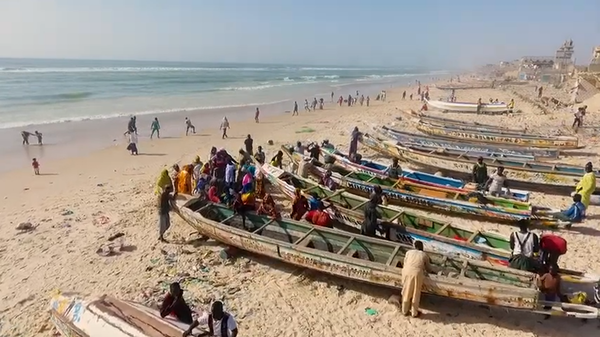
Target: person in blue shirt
point(314, 202)
point(575, 213)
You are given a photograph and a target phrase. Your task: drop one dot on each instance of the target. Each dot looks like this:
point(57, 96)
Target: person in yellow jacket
point(587, 185)
point(414, 269)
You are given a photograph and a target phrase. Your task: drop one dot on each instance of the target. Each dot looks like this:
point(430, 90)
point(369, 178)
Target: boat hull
point(468, 107)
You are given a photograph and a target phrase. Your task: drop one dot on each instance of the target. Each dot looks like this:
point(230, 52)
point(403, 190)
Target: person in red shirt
point(174, 305)
point(36, 167)
point(552, 247)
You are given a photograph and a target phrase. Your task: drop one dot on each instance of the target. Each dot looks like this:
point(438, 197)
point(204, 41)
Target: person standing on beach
point(25, 135)
point(155, 127)
point(248, 142)
point(131, 127)
point(260, 156)
point(368, 100)
point(415, 268)
point(39, 137)
point(224, 127)
point(133, 143)
point(404, 95)
point(295, 112)
point(332, 94)
point(540, 91)
point(306, 107)
point(256, 114)
point(354, 142)
point(164, 207)
point(188, 126)
point(480, 173)
point(349, 100)
point(36, 167)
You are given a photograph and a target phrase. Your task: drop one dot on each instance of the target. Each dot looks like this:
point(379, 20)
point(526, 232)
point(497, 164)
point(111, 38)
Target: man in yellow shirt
point(587, 185)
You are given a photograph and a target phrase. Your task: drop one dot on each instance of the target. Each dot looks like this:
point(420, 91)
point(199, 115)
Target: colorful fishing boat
point(411, 138)
point(399, 225)
point(74, 316)
point(529, 175)
point(449, 132)
point(493, 108)
point(447, 121)
point(369, 260)
point(344, 165)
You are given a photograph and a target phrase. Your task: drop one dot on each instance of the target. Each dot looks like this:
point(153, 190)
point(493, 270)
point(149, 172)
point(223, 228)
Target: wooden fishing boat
point(448, 121)
point(493, 108)
point(557, 142)
point(344, 166)
point(411, 138)
point(529, 175)
point(399, 225)
point(74, 316)
point(370, 260)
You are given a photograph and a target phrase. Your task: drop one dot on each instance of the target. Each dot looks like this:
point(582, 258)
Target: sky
point(431, 33)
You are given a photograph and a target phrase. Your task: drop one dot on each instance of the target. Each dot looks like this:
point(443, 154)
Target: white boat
point(73, 316)
point(494, 108)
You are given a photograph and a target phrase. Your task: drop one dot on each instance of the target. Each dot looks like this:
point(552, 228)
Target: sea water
point(49, 91)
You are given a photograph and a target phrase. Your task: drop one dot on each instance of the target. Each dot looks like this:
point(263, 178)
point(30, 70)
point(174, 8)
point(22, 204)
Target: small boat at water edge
point(399, 225)
point(447, 121)
point(493, 108)
point(561, 178)
point(555, 142)
point(74, 316)
point(344, 166)
point(370, 260)
point(411, 138)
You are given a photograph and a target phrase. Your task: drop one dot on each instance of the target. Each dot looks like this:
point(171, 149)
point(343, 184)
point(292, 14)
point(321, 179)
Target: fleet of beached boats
point(467, 264)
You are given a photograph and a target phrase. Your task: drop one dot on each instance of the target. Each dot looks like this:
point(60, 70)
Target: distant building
point(595, 64)
point(563, 59)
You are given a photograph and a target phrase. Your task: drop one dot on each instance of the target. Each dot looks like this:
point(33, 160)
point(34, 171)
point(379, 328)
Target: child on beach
point(36, 167)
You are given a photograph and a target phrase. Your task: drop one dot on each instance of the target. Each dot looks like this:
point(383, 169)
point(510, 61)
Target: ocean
point(49, 91)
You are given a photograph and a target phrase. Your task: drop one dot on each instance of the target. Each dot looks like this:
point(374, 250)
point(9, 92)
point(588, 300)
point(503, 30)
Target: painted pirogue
point(370, 260)
point(547, 177)
point(400, 225)
point(453, 132)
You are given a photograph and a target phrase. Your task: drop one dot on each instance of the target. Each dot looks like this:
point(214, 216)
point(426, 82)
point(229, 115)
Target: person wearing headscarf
point(163, 181)
point(277, 160)
point(224, 127)
point(354, 142)
point(175, 177)
point(259, 186)
point(299, 205)
point(247, 183)
point(197, 164)
point(268, 207)
point(213, 192)
point(184, 180)
point(587, 185)
point(212, 154)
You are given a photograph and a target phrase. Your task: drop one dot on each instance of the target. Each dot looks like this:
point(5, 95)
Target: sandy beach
point(79, 202)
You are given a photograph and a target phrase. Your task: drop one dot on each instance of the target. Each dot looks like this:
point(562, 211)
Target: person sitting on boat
point(369, 226)
point(551, 248)
point(587, 185)
point(328, 181)
point(394, 171)
point(299, 205)
point(575, 213)
point(497, 181)
point(414, 270)
point(314, 202)
point(220, 323)
point(173, 304)
point(268, 207)
point(524, 245)
point(277, 160)
point(549, 285)
point(480, 173)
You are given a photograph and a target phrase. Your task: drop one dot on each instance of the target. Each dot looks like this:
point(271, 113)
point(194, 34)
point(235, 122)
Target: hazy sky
point(328, 32)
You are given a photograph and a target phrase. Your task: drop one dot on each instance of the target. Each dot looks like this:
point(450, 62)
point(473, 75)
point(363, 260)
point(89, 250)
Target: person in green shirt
point(155, 127)
point(480, 173)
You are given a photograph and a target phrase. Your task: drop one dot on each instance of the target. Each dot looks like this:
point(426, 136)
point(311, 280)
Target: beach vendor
point(299, 205)
point(497, 181)
point(163, 181)
point(268, 207)
point(587, 185)
point(551, 248)
point(414, 270)
point(220, 323)
point(277, 160)
point(394, 171)
point(173, 304)
point(480, 173)
point(575, 213)
point(524, 245)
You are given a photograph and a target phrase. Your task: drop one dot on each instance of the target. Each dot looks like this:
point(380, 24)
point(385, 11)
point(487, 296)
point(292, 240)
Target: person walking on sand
point(36, 167)
point(155, 127)
point(25, 135)
point(256, 114)
point(188, 126)
point(414, 270)
point(164, 207)
point(248, 142)
point(224, 126)
point(306, 107)
point(295, 112)
point(133, 140)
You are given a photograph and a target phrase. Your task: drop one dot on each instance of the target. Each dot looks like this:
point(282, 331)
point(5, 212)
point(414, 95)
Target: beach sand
point(78, 203)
